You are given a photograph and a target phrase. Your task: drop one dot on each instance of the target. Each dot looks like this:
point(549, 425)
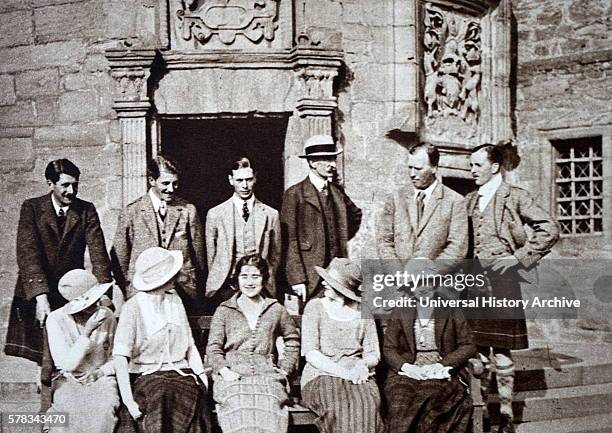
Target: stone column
point(131, 70)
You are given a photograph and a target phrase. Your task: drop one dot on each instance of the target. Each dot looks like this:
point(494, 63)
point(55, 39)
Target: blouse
point(153, 332)
point(233, 344)
point(74, 353)
point(344, 342)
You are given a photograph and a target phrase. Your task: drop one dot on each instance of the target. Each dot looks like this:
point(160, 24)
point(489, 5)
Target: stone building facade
point(107, 83)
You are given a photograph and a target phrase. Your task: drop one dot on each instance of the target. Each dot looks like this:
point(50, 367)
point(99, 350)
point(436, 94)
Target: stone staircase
point(561, 388)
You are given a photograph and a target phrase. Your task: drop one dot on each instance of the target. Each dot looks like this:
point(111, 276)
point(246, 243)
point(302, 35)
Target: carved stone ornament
point(131, 84)
point(254, 19)
point(452, 62)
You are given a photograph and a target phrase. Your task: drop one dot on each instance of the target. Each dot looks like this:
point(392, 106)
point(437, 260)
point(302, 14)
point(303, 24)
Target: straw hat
point(156, 266)
point(344, 276)
point(320, 145)
point(81, 289)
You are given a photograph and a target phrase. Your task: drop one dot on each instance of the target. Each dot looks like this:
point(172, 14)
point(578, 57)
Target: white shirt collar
point(428, 191)
point(155, 199)
point(57, 206)
point(487, 191)
point(318, 183)
point(239, 202)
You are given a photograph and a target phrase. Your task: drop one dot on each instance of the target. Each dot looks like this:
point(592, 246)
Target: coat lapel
point(310, 194)
point(412, 211)
point(148, 215)
point(440, 323)
point(434, 200)
point(499, 201)
point(172, 218)
point(73, 218)
point(472, 201)
point(227, 221)
point(408, 325)
point(49, 216)
point(260, 221)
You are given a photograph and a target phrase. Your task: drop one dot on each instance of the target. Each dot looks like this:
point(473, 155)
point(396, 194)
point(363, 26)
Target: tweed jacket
point(442, 234)
point(452, 334)
point(220, 248)
point(302, 225)
point(232, 344)
point(137, 230)
point(43, 256)
point(513, 209)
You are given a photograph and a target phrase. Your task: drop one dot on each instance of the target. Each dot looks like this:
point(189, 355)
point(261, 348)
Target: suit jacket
point(442, 234)
point(220, 241)
point(137, 230)
point(302, 223)
point(44, 255)
point(513, 209)
point(452, 334)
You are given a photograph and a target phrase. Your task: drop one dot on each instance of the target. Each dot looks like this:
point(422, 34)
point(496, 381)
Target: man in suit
point(318, 218)
point(426, 221)
point(240, 226)
point(498, 213)
point(161, 219)
point(52, 235)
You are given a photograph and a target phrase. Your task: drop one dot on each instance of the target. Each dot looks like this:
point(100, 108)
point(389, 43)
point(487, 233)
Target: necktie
point(420, 206)
point(61, 221)
point(325, 189)
point(163, 209)
point(245, 211)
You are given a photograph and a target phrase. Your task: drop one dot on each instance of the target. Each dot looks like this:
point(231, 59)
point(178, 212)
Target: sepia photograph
point(306, 216)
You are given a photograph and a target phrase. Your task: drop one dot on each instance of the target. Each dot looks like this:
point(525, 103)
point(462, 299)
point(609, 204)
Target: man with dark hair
point(240, 226)
point(52, 235)
point(318, 218)
point(425, 221)
point(161, 219)
point(498, 213)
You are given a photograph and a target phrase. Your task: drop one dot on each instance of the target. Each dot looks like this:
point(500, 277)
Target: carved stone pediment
point(221, 24)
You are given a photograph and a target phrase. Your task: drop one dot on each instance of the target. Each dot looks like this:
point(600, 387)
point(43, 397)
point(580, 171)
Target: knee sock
point(504, 370)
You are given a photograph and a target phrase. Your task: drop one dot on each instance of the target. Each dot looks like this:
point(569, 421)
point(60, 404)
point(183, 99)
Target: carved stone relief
point(201, 20)
point(452, 62)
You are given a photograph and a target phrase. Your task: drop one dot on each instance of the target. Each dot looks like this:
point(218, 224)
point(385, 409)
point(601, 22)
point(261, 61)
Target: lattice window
point(579, 185)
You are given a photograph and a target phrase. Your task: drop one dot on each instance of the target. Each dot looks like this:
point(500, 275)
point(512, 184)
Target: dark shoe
point(506, 425)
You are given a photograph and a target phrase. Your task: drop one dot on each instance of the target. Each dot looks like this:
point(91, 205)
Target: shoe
point(506, 425)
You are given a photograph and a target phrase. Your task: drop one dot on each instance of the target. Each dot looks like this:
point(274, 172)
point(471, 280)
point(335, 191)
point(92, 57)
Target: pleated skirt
point(342, 406)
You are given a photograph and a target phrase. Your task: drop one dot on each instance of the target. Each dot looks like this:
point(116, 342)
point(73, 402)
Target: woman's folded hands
point(424, 372)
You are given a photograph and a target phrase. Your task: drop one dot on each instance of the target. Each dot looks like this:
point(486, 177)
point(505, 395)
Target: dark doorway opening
point(461, 185)
point(206, 148)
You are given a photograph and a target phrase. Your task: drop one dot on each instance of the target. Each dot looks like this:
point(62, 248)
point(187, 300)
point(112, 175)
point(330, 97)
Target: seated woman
point(341, 351)
point(162, 391)
point(249, 381)
point(80, 336)
point(426, 353)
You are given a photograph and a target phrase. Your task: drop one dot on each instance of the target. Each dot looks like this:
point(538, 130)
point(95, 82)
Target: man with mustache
point(240, 226)
point(161, 219)
point(318, 218)
point(52, 235)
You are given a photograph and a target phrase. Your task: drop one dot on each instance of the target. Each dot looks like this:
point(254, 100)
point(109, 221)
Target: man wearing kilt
point(498, 213)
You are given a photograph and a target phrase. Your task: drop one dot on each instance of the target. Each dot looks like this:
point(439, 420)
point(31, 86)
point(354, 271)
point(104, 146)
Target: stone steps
point(601, 423)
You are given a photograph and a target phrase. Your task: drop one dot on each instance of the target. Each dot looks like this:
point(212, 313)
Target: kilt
point(427, 406)
point(169, 402)
point(503, 328)
point(342, 406)
point(252, 404)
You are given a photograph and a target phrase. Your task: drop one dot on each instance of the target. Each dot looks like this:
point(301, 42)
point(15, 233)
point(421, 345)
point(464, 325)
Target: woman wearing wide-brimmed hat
point(80, 336)
point(427, 352)
point(341, 351)
point(250, 378)
point(163, 391)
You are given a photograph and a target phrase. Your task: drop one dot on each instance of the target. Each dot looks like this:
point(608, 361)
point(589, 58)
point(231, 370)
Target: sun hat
point(320, 145)
point(344, 276)
point(156, 266)
point(81, 289)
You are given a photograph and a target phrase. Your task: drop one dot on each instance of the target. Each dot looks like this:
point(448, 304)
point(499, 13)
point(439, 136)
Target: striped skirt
point(252, 404)
point(342, 406)
point(427, 406)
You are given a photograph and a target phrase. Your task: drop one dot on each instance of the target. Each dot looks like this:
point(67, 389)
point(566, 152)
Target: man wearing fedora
point(240, 226)
point(318, 218)
point(52, 235)
point(80, 336)
point(427, 220)
point(161, 219)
